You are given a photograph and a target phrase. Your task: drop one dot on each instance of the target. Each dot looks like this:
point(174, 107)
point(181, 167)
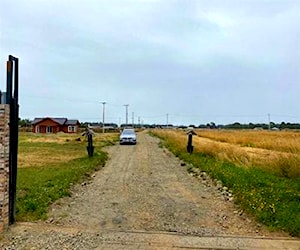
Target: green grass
point(39, 187)
point(45, 175)
point(272, 200)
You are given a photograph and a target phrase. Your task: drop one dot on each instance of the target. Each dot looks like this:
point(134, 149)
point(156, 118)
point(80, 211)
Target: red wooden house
point(54, 125)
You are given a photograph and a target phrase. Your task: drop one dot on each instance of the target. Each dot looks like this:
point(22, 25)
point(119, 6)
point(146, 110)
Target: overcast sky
point(198, 61)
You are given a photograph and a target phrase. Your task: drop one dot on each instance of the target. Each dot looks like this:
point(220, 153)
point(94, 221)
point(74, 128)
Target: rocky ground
point(145, 199)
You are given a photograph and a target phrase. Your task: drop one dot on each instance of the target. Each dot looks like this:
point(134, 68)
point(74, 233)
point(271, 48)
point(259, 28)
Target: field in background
point(274, 151)
point(40, 149)
point(281, 141)
point(48, 166)
point(260, 167)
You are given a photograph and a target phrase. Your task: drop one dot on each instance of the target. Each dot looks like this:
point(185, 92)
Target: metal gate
point(10, 97)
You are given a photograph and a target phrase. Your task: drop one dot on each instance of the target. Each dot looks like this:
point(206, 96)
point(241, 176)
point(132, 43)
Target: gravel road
point(145, 199)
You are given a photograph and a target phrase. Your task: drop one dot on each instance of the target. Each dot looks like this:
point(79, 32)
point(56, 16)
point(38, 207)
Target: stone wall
point(4, 166)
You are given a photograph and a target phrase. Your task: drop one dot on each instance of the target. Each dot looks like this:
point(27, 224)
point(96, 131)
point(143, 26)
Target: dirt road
point(144, 199)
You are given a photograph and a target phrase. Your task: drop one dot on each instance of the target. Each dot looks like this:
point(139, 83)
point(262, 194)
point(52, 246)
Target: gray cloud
point(195, 60)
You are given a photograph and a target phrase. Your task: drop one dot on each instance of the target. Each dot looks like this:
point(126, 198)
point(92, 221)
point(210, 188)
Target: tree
point(24, 122)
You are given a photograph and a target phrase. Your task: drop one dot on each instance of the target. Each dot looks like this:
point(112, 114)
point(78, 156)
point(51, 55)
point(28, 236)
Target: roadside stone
point(248, 220)
point(189, 167)
point(203, 175)
point(51, 220)
point(118, 220)
point(197, 171)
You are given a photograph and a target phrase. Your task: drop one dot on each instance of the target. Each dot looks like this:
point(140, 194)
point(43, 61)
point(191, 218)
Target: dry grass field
point(275, 151)
point(44, 149)
point(282, 141)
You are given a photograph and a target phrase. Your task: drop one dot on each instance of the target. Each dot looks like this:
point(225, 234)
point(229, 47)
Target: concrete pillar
point(4, 166)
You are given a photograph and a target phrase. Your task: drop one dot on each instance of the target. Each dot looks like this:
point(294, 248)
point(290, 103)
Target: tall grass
point(273, 200)
point(282, 141)
point(283, 164)
point(49, 165)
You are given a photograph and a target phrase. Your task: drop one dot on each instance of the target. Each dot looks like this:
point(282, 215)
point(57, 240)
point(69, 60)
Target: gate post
point(12, 97)
point(4, 166)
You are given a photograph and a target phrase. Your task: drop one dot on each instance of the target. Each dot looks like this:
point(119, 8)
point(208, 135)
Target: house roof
point(37, 120)
point(71, 122)
point(60, 121)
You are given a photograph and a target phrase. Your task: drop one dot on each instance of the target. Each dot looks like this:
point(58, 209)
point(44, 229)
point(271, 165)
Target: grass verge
point(49, 165)
point(38, 187)
point(272, 200)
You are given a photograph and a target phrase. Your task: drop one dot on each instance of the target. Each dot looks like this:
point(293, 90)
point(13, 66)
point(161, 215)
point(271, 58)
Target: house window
point(49, 129)
point(37, 129)
point(71, 129)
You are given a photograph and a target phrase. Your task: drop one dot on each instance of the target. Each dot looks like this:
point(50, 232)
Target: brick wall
point(4, 165)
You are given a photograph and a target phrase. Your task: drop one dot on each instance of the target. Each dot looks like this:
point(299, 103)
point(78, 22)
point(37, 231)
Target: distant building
point(54, 125)
point(275, 128)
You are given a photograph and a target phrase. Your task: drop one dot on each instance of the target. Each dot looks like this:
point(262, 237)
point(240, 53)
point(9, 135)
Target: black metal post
point(90, 147)
point(190, 147)
point(12, 100)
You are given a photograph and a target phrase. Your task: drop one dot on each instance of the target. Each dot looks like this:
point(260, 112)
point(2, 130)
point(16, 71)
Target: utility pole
point(139, 120)
point(103, 116)
point(126, 106)
point(133, 119)
point(167, 120)
point(269, 119)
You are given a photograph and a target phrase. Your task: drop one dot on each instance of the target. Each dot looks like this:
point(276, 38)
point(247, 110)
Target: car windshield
point(128, 132)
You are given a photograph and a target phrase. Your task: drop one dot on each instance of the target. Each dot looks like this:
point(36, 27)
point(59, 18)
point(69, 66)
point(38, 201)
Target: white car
point(128, 136)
